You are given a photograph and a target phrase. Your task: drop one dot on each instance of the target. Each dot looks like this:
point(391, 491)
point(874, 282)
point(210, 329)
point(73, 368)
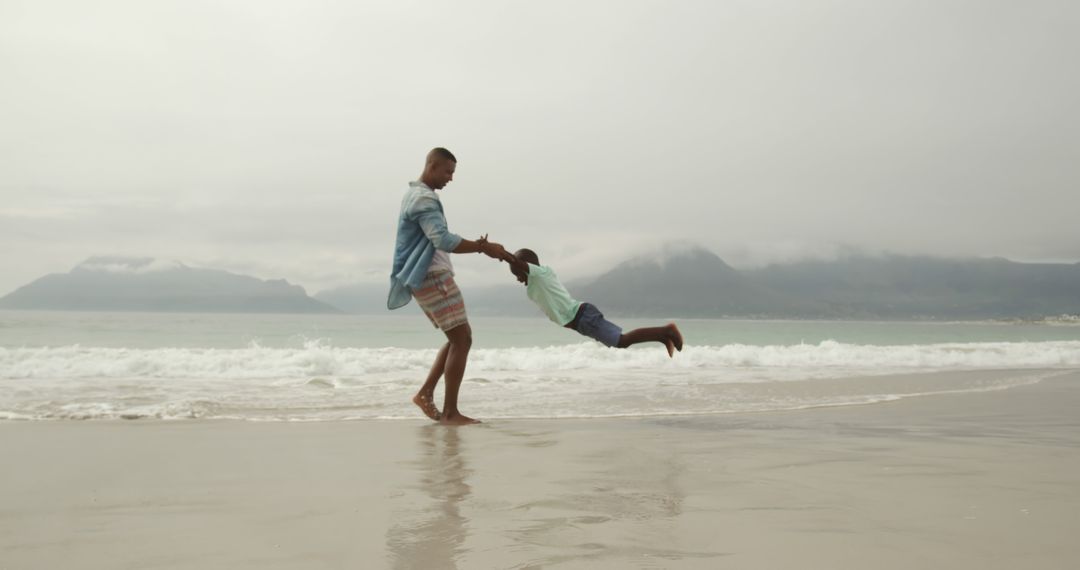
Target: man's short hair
point(440, 153)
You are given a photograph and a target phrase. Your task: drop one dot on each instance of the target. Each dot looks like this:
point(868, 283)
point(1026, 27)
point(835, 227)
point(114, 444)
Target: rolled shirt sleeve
point(429, 215)
point(421, 231)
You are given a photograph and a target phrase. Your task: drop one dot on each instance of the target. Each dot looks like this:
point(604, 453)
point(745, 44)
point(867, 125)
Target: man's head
point(526, 256)
point(438, 168)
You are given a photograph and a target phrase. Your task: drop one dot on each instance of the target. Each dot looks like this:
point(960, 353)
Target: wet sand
point(977, 480)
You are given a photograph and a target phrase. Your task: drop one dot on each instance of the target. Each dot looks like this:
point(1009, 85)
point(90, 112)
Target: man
point(422, 270)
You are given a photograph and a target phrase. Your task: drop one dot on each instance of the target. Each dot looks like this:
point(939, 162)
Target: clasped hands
point(494, 250)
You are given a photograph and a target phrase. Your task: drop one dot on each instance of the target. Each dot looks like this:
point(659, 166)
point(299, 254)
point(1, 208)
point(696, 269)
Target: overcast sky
point(275, 138)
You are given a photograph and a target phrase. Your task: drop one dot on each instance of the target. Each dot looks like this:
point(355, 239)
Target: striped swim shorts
point(441, 300)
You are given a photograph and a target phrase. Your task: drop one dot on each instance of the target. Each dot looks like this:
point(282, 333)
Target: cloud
point(136, 266)
point(35, 214)
point(276, 138)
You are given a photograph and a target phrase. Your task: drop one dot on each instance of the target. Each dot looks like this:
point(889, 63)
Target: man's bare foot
point(676, 336)
point(670, 348)
point(457, 419)
point(423, 401)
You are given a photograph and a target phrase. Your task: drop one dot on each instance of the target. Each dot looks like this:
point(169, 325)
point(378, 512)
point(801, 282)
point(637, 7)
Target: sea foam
point(320, 382)
point(316, 359)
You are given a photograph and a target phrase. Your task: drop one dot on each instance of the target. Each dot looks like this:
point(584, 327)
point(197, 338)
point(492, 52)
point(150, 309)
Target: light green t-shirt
point(548, 293)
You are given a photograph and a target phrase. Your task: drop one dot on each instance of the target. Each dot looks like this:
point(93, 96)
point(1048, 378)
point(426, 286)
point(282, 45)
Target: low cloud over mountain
point(683, 282)
point(146, 284)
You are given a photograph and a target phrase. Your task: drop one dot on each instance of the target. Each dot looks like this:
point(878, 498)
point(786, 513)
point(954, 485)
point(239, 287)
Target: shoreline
point(496, 402)
point(971, 480)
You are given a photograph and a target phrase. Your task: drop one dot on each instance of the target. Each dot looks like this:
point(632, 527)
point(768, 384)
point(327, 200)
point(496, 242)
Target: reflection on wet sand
point(432, 534)
point(616, 505)
point(559, 500)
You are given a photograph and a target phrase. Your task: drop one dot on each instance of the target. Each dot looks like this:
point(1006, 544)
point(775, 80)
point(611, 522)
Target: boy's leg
point(667, 335)
point(425, 397)
point(591, 323)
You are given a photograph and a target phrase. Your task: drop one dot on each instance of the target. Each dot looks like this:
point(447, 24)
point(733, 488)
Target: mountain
point(896, 286)
point(370, 299)
point(695, 282)
point(146, 284)
point(690, 282)
point(360, 299)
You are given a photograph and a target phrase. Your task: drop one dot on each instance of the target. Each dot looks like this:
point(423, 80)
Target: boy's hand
point(496, 251)
point(493, 250)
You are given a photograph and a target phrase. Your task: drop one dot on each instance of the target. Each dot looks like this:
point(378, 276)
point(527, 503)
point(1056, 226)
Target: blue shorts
point(591, 323)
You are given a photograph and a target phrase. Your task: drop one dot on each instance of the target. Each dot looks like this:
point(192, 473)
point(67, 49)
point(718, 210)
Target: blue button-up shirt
point(421, 230)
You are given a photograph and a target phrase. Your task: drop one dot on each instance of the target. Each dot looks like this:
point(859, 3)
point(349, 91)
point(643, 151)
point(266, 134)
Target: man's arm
point(432, 221)
point(482, 245)
point(429, 215)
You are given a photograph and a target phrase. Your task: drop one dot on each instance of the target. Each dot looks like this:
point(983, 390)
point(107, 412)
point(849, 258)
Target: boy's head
point(527, 255)
point(522, 272)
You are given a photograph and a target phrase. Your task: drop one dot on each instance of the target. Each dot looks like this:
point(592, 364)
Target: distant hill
point(896, 286)
point(695, 282)
point(361, 299)
point(370, 299)
point(855, 287)
point(691, 282)
point(688, 283)
point(145, 284)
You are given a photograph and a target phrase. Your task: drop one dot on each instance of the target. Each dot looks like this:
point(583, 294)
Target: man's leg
point(667, 335)
point(460, 338)
point(425, 397)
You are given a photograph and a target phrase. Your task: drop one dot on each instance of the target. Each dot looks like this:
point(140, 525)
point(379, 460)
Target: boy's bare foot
point(676, 336)
point(457, 420)
point(670, 348)
point(423, 401)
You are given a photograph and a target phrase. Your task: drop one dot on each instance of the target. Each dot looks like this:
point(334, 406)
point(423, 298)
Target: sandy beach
point(976, 480)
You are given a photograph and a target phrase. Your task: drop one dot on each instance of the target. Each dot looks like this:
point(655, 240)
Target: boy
point(544, 289)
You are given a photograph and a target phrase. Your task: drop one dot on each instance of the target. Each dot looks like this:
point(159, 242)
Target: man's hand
point(494, 250)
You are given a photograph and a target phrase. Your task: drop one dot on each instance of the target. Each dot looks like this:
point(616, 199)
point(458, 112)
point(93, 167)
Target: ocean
point(167, 366)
